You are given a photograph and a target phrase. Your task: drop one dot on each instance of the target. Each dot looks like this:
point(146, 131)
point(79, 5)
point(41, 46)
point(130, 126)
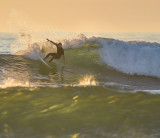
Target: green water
point(38, 102)
point(89, 112)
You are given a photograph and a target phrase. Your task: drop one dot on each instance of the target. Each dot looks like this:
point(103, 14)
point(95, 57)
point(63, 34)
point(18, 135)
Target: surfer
point(60, 52)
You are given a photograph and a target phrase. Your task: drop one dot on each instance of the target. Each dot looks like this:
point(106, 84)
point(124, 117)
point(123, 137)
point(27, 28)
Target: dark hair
point(60, 44)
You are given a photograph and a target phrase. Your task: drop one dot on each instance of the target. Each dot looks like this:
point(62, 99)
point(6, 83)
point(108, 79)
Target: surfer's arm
point(52, 42)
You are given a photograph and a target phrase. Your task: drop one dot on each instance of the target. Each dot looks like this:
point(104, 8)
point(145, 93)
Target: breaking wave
point(132, 57)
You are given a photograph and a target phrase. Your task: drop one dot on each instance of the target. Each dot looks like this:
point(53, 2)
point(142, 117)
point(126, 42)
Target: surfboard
point(44, 62)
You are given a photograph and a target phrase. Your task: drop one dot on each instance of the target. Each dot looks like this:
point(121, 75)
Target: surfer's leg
point(54, 55)
point(48, 55)
point(51, 59)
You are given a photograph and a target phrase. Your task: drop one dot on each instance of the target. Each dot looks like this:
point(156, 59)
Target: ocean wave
point(140, 58)
point(133, 57)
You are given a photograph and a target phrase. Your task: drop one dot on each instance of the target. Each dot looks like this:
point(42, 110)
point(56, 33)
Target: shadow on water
point(18, 69)
point(54, 74)
point(57, 73)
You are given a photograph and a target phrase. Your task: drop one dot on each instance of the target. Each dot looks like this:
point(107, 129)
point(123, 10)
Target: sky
point(82, 15)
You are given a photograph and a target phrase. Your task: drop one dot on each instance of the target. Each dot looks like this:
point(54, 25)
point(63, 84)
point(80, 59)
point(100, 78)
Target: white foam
point(141, 58)
point(74, 42)
point(32, 52)
point(11, 82)
point(152, 91)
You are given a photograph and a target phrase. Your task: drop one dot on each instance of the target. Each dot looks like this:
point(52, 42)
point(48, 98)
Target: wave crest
point(142, 58)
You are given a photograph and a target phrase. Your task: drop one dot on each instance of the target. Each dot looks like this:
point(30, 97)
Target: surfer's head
point(59, 44)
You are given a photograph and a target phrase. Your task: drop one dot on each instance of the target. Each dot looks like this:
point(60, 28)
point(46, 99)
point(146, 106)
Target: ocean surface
point(108, 88)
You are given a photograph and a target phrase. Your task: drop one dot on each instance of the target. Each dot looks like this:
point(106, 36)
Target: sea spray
point(11, 82)
point(140, 58)
point(88, 80)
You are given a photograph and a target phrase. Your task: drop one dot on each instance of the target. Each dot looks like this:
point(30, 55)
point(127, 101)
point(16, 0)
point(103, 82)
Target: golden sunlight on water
point(88, 80)
point(75, 135)
point(10, 82)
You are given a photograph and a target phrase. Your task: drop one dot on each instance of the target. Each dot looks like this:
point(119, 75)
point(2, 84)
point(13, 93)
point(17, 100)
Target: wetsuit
point(59, 53)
